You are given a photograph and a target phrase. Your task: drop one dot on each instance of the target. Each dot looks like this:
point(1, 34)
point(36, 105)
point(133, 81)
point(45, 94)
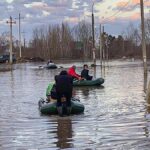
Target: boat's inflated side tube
point(51, 108)
point(97, 81)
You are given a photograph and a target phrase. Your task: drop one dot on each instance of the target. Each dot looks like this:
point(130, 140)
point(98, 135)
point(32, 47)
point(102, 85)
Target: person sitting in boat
point(73, 74)
point(85, 73)
point(50, 62)
point(64, 87)
point(51, 92)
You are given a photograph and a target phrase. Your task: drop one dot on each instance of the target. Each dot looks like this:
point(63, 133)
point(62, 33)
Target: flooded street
point(116, 114)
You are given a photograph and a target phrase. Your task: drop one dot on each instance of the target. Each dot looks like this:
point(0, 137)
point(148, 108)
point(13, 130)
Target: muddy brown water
point(116, 114)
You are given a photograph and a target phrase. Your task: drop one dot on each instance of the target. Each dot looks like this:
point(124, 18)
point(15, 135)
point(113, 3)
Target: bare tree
point(147, 24)
point(83, 33)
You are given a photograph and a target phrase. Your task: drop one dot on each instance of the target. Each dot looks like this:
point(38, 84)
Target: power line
point(118, 11)
point(108, 20)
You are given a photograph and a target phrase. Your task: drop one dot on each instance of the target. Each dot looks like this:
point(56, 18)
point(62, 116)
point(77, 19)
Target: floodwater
point(116, 114)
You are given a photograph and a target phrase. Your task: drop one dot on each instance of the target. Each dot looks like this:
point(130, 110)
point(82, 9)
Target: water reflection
point(148, 106)
point(146, 131)
point(64, 133)
point(148, 98)
point(147, 91)
point(145, 82)
point(94, 71)
point(86, 90)
point(12, 83)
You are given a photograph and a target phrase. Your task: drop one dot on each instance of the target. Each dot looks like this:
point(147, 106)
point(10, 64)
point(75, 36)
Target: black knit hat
point(63, 72)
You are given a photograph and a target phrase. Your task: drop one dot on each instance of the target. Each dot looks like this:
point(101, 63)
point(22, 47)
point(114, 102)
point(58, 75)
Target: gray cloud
point(44, 12)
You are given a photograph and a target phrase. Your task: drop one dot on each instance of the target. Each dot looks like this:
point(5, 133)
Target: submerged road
point(116, 114)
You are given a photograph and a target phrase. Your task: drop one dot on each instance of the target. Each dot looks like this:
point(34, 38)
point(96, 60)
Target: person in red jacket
point(72, 73)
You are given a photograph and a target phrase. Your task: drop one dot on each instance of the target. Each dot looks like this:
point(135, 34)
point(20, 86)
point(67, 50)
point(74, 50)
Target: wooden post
point(20, 37)
point(11, 61)
point(143, 37)
point(103, 46)
point(93, 37)
point(106, 45)
point(100, 43)
point(103, 49)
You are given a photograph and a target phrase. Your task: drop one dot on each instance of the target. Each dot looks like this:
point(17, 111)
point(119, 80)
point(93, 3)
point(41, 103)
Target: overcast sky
point(114, 14)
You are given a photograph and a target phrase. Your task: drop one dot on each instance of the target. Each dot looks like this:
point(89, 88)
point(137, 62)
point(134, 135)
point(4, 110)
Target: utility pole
point(93, 37)
point(10, 50)
point(100, 43)
point(107, 48)
point(103, 48)
point(20, 51)
point(103, 45)
point(143, 37)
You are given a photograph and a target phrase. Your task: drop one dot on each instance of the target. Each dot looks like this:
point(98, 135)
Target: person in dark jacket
point(64, 87)
point(85, 73)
